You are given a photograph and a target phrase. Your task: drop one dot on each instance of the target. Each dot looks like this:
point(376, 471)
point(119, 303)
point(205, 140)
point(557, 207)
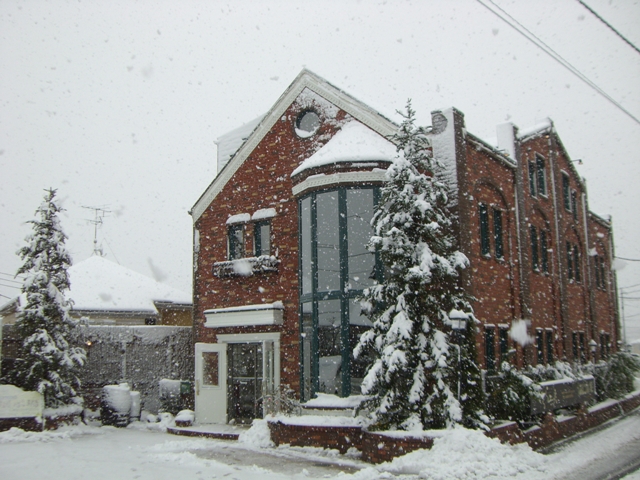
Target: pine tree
point(48, 361)
point(413, 378)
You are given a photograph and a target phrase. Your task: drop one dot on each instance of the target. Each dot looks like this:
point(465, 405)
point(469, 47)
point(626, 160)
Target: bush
point(615, 377)
point(510, 395)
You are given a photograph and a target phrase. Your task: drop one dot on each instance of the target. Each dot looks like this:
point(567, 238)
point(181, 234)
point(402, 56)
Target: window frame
point(544, 251)
point(258, 239)
point(541, 176)
point(485, 243)
point(235, 241)
point(566, 191)
point(533, 178)
point(490, 348)
point(535, 259)
point(498, 235)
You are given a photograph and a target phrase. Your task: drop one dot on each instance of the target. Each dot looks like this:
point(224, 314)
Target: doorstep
point(220, 431)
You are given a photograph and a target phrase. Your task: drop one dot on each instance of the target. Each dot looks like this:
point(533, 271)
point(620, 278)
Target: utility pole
point(99, 214)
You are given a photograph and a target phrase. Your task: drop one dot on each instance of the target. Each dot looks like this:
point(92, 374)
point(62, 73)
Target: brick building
point(279, 251)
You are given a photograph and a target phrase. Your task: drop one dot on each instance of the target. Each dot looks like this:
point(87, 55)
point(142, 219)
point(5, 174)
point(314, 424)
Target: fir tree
point(413, 379)
point(48, 360)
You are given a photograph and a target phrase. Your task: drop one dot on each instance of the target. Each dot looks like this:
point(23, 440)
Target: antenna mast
point(99, 214)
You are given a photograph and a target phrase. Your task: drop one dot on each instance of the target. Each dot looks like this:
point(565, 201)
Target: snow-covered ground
point(140, 452)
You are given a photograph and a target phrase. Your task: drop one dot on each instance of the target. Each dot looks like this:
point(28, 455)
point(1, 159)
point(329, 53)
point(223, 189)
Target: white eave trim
point(306, 79)
point(318, 181)
point(245, 316)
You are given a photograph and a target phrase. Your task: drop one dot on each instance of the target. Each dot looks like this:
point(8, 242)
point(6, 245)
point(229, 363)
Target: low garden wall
point(379, 447)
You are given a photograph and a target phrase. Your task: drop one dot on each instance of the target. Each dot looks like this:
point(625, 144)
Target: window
point(335, 267)
point(262, 238)
point(576, 263)
point(503, 338)
point(489, 348)
point(210, 369)
point(236, 242)
point(565, 191)
point(574, 204)
point(307, 123)
point(484, 230)
point(583, 350)
point(544, 251)
point(598, 263)
point(540, 346)
point(542, 181)
point(534, 248)
point(569, 261)
point(532, 178)
point(497, 233)
point(549, 338)
point(574, 337)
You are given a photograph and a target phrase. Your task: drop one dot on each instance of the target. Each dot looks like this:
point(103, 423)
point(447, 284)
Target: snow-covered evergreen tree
point(48, 361)
point(413, 379)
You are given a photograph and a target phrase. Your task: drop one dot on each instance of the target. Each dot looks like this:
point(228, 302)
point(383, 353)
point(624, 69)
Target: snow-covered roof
point(354, 142)
point(100, 284)
point(229, 143)
point(538, 128)
point(305, 80)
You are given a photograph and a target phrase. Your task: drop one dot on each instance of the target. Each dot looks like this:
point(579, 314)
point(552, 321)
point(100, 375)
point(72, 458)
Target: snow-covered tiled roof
point(229, 143)
point(100, 284)
point(354, 142)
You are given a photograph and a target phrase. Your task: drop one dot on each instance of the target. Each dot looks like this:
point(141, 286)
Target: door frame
point(270, 343)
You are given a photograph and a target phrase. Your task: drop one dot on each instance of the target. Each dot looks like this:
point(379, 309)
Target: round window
point(307, 123)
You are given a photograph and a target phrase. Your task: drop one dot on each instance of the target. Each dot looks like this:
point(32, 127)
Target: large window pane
point(358, 324)
point(328, 242)
point(305, 244)
point(329, 346)
point(361, 262)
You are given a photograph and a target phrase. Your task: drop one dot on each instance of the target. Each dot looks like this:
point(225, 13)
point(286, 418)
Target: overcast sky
point(117, 104)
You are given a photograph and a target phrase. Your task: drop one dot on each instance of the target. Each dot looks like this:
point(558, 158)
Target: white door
point(211, 383)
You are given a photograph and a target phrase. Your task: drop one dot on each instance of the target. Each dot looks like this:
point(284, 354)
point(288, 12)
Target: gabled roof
point(98, 284)
point(306, 79)
point(546, 127)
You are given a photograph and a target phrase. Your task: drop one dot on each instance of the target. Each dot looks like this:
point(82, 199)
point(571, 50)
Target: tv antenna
point(98, 215)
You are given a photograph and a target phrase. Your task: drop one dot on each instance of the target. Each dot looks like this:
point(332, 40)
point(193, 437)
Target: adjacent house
point(280, 256)
point(135, 330)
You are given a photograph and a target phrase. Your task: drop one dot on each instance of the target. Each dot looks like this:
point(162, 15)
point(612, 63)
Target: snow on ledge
point(264, 213)
point(238, 218)
point(325, 400)
point(245, 315)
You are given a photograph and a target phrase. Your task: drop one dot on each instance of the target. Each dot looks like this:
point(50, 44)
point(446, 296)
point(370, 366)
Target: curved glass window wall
point(335, 267)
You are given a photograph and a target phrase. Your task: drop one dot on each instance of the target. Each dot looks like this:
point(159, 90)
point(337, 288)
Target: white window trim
point(316, 181)
point(245, 316)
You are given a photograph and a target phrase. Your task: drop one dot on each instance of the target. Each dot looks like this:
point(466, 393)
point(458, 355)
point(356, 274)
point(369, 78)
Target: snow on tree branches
point(48, 362)
point(414, 378)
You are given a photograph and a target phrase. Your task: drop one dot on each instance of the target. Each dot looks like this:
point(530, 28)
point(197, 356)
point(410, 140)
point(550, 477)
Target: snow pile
point(326, 400)
point(17, 435)
point(117, 397)
point(257, 436)
point(64, 411)
point(468, 454)
point(188, 416)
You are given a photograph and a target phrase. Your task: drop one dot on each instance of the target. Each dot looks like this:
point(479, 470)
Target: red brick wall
point(263, 181)
point(507, 289)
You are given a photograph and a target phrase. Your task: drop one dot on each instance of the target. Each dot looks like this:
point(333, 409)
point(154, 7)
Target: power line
point(12, 275)
point(629, 259)
point(553, 54)
point(608, 25)
point(10, 286)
